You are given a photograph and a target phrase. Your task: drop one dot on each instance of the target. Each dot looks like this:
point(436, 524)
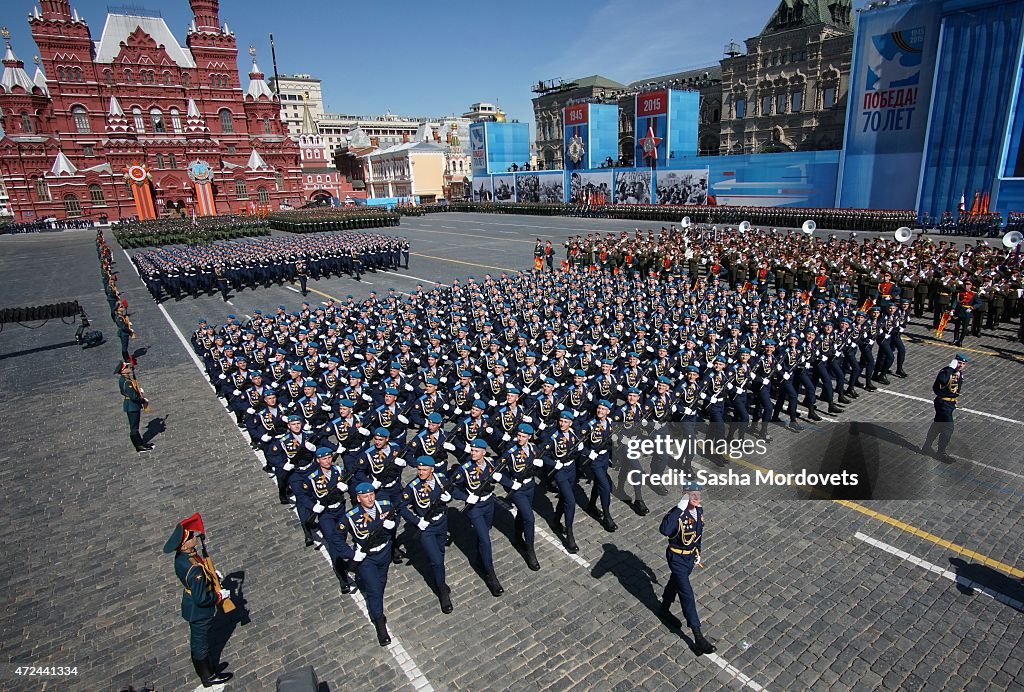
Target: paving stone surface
point(793, 599)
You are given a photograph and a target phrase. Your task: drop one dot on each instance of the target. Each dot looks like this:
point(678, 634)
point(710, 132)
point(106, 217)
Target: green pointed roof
point(797, 14)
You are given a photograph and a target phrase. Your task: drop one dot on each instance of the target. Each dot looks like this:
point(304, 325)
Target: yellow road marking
point(478, 237)
point(909, 528)
point(471, 264)
point(932, 341)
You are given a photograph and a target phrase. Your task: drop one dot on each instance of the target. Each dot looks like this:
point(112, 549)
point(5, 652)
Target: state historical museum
point(138, 100)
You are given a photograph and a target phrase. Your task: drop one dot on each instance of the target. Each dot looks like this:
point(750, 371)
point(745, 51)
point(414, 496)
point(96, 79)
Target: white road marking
point(292, 288)
point(962, 410)
point(398, 652)
point(941, 571)
point(734, 672)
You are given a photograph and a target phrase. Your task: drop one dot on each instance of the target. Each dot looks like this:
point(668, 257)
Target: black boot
point(444, 595)
point(307, 534)
point(664, 613)
point(901, 374)
point(833, 409)
point(764, 432)
point(341, 571)
point(607, 522)
point(868, 387)
point(794, 426)
point(570, 541)
point(851, 392)
point(702, 645)
point(640, 508)
point(842, 399)
point(882, 379)
point(381, 625)
point(531, 558)
point(493, 584)
point(204, 667)
point(812, 414)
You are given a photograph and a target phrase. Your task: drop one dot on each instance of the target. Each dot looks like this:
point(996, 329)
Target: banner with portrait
point(504, 188)
point(633, 187)
point(590, 188)
point(682, 187)
point(546, 188)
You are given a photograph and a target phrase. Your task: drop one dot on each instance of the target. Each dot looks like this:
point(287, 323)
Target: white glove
point(543, 426)
point(237, 392)
point(506, 437)
point(688, 411)
point(225, 594)
point(489, 429)
point(767, 380)
point(445, 496)
point(786, 376)
point(496, 476)
point(472, 499)
point(684, 502)
point(593, 455)
point(449, 446)
point(318, 508)
point(492, 402)
point(367, 397)
point(222, 376)
point(402, 419)
point(423, 525)
point(359, 556)
point(265, 438)
point(467, 448)
point(516, 485)
point(698, 559)
point(288, 466)
point(538, 462)
point(558, 465)
point(458, 411)
point(250, 410)
point(375, 484)
point(401, 462)
point(220, 575)
point(389, 524)
point(527, 419)
point(343, 487)
point(363, 431)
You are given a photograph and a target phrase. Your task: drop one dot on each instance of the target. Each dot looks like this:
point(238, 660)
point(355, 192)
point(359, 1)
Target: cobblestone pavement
point(797, 594)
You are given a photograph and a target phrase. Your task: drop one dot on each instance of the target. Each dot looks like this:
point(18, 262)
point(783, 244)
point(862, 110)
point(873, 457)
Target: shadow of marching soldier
point(972, 577)
point(224, 624)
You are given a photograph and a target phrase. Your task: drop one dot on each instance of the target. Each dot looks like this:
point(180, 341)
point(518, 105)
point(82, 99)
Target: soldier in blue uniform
point(381, 466)
point(519, 463)
point(947, 387)
point(558, 452)
point(323, 498)
point(597, 447)
point(199, 601)
point(684, 528)
point(425, 506)
point(371, 524)
point(290, 452)
point(473, 483)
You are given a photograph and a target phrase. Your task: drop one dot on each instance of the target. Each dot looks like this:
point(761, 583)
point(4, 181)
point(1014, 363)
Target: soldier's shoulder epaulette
point(384, 504)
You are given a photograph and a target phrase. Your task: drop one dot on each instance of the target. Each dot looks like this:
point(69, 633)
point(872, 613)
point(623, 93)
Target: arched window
point(71, 206)
point(108, 76)
point(266, 126)
point(172, 161)
point(186, 80)
point(176, 120)
point(127, 75)
point(76, 75)
point(81, 118)
point(42, 190)
point(157, 117)
point(159, 160)
point(226, 125)
point(140, 124)
point(96, 194)
point(240, 191)
point(61, 76)
point(278, 182)
point(26, 121)
point(262, 195)
point(167, 77)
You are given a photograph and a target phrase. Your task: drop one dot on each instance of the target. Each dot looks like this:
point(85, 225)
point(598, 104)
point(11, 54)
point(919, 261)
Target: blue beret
point(692, 368)
point(744, 349)
point(432, 380)
point(425, 461)
point(434, 417)
point(664, 380)
point(632, 390)
point(324, 452)
point(346, 402)
point(479, 444)
point(770, 342)
point(604, 402)
point(382, 432)
point(583, 373)
point(293, 418)
point(395, 365)
point(334, 359)
point(513, 390)
point(962, 358)
point(295, 367)
point(269, 392)
point(364, 488)
point(309, 382)
point(465, 373)
point(567, 414)
point(391, 390)
point(241, 359)
point(550, 380)
point(525, 428)
point(479, 404)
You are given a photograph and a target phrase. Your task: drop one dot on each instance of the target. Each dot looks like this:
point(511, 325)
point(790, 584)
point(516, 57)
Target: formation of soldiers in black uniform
point(522, 383)
point(40, 225)
point(180, 271)
point(975, 225)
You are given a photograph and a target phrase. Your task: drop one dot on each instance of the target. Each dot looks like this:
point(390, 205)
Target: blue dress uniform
point(684, 528)
point(381, 467)
point(518, 465)
point(432, 443)
point(371, 530)
point(947, 387)
point(425, 506)
point(324, 500)
point(473, 483)
point(559, 454)
point(199, 601)
point(597, 446)
point(288, 454)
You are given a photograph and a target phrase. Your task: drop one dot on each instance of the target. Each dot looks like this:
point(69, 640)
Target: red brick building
point(136, 95)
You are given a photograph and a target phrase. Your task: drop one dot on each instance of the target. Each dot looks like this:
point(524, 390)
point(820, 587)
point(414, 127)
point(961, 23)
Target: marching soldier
point(473, 483)
point(425, 506)
point(519, 463)
point(558, 453)
point(947, 388)
point(323, 498)
point(371, 524)
point(684, 528)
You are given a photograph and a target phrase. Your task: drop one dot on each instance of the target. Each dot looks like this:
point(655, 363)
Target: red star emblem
point(649, 144)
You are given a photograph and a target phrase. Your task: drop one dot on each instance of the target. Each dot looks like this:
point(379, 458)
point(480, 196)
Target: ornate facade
point(136, 95)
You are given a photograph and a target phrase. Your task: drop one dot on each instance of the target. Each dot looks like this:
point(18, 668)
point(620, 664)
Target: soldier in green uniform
point(134, 402)
point(199, 601)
